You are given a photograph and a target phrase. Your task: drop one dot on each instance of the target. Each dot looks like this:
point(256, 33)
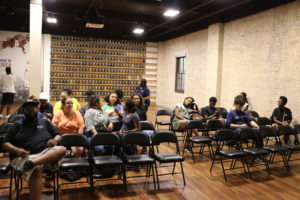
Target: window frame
point(178, 73)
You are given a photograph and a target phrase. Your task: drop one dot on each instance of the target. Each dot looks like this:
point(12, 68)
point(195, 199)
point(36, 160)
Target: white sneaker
point(1, 116)
point(7, 116)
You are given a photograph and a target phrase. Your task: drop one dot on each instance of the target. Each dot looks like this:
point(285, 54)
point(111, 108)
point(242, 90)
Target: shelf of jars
point(97, 64)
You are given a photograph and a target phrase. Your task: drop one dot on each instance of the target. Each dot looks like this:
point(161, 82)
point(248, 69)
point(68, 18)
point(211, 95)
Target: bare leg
point(77, 151)
point(52, 156)
point(8, 109)
point(35, 184)
point(195, 131)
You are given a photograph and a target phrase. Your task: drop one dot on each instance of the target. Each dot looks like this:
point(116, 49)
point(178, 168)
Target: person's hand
point(285, 123)
point(110, 127)
point(22, 152)
point(244, 125)
point(116, 111)
point(51, 143)
point(111, 113)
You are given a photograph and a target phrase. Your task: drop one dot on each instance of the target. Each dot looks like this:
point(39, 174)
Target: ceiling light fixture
point(52, 20)
point(138, 30)
point(171, 12)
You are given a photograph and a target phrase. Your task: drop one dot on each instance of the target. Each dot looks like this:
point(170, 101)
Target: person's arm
point(56, 119)
point(237, 125)
point(254, 124)
point(277, 121)
point(207, 117)
point(136, 123)
point(7, 146)
point(80, 122)
point(289, 117)
point(147, 94)
point(177, 114)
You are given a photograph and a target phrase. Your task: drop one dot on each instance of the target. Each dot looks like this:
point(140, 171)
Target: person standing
point(8, 82)
point(144, 91)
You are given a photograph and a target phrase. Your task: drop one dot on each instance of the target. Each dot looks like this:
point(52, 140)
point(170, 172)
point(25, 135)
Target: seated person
point(69, 121)
point(85, 107)
point(20, 110)
point(97, 121)
point(120, 94)
point(185, 112)
point(211, 112)
point(246, 106)
point(139, 106)
point(31, 143)
point(114, 110)
point(45, 107)
point(282, 115)
point(66, 93)
point(237, 118)
point(130, 119)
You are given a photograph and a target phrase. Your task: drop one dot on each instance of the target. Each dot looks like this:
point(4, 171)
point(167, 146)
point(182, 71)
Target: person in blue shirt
point(144, 91)
point(237, 118)
point(45, 107)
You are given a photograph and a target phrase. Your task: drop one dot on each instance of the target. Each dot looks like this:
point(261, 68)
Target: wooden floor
point(201, 184)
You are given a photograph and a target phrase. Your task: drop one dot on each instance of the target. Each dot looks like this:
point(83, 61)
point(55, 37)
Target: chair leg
point(173, 168)
point(286, 164)
point(124, 177)
point(183, 177)
point(213, 162)
point(291, 152)
point(156, 172)
point(10, 183)
point(223, 168)
point(266, 164)
point(153, 175)
point(243, 162)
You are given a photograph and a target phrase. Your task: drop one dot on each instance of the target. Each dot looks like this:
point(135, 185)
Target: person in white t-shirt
point(7, 82)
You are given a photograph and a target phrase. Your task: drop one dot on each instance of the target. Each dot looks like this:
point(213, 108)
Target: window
point(180, 74)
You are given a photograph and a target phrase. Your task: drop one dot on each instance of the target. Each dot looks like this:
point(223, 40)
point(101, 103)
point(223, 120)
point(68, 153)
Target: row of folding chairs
point(249, 146)
point(151, 160)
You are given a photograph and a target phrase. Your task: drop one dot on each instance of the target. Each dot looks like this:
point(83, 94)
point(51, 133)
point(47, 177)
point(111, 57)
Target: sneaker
point(28, 165)
point(7, 116)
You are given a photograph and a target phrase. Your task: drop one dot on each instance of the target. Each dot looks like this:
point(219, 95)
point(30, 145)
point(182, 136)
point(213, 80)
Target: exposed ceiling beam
point(201, 18)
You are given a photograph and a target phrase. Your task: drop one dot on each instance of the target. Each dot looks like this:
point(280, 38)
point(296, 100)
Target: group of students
point(238, 118)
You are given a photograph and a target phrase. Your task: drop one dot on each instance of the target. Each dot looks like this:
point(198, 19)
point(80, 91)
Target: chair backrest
point(223, 111)
point(267, 131)
point(226, 135)
point(138, 138)
point(263, 121)
point(4, 128)
point(254, 114)
point(195, 124)
point(248, 134)
point(285, 130)
point(2, 138)
point(163, 136)
point(297, 128)
point(15, 118)
point(74, 140)
point(147, 125)
point(163, 112)
point(106, 138)
point(214, 124)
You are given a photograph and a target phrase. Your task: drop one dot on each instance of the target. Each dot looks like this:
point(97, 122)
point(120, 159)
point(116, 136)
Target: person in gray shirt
point(85, 107)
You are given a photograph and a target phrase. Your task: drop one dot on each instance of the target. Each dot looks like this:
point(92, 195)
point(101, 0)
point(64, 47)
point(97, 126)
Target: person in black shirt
point(211, 112)
point(282, 115)
point(139, 106)
point(31, 143)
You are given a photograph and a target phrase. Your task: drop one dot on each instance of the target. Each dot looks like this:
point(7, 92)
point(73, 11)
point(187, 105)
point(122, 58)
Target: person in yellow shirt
point(66, 93)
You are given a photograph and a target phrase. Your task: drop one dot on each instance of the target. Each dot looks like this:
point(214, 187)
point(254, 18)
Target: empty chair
point(113, 161)
point(163, 113)
point(214, 125)
point(141, 139)
point(266, 131)
point(228, 136)
point(256, 150)
point(77, 165)
point(254, 114)
point(169, 137)
point(263, 121)
point(202, 140)
point(296, 145)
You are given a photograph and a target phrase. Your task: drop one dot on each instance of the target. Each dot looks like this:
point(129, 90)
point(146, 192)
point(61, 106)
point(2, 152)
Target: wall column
point(35, 76)
point(214, 61)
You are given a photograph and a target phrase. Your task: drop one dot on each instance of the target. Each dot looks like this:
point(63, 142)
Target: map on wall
point(19, 40)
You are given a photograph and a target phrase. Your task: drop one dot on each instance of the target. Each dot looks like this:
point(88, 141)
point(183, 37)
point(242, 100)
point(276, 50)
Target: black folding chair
point(5, 168)
point(263, 121)
point(277, 148)
point(147, 125)
point(224, 136)
point(296, 145)
point(76, 165)
point(255, 151)
point(169, 137)
point(163, 113)
point(113, 161)
point(202, 140)
point(213, 125)
point(141, 139)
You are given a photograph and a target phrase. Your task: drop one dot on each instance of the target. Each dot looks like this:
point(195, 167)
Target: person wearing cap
point(66, 93)
point(85, 107)
point(45, 107)
point(31, 142)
